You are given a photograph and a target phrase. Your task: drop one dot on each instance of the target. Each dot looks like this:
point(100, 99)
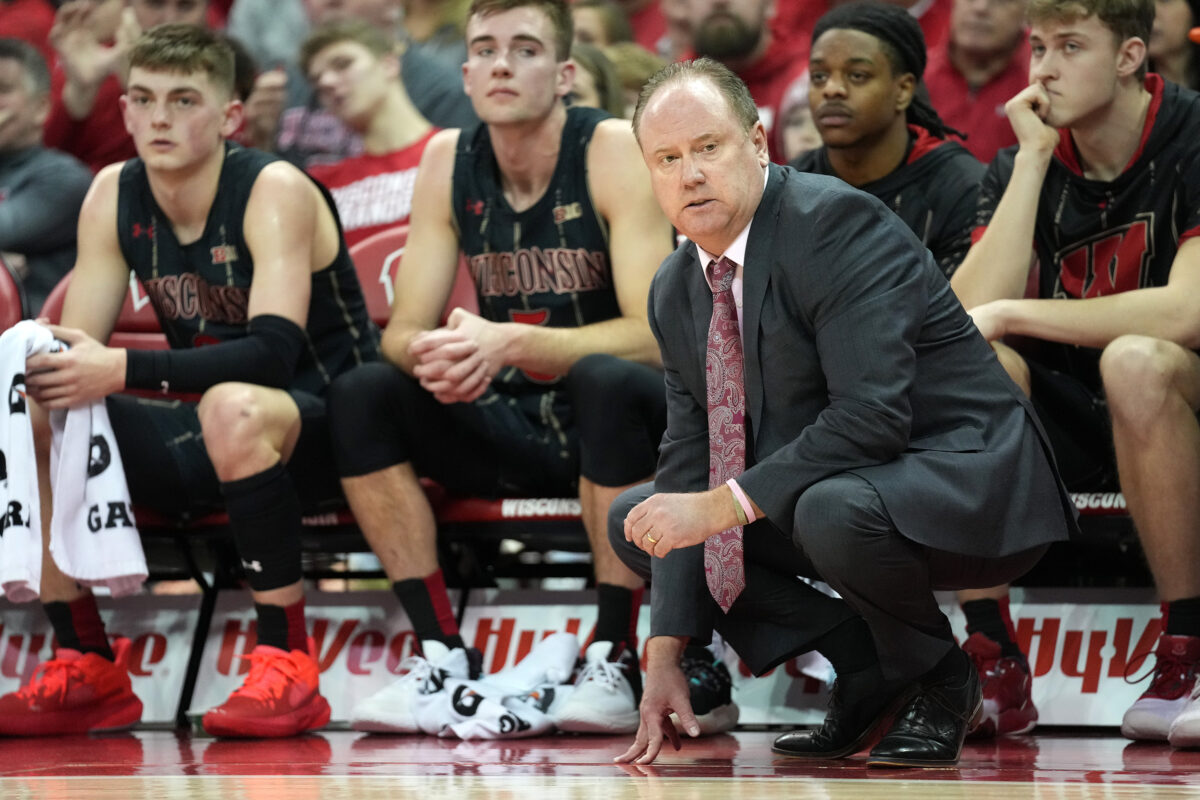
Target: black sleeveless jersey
point(1095, 238)
point(547, 265)
point(200, 291)
point(934, 191)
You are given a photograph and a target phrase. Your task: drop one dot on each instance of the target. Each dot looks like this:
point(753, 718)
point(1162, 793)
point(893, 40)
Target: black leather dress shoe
point(929, 732)
point(858, 705)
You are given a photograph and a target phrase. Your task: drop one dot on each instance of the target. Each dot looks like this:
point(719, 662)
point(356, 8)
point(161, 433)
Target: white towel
point(92, 533)
point(21, 526)
point(93, 537)
point(512, 704)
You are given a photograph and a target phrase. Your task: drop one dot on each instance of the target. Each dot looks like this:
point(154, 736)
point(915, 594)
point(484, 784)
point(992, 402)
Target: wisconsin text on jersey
point(532, 270)
point(188, 296)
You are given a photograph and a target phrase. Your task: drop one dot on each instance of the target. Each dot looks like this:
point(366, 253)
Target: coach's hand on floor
point(665, 693)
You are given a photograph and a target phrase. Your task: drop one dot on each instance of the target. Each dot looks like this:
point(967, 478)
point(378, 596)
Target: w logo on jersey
point(538, 316)
point(1110, 262)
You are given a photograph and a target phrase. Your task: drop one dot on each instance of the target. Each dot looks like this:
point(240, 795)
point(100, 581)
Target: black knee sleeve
point(264, 512)
point(620, 412)
point(366, 411)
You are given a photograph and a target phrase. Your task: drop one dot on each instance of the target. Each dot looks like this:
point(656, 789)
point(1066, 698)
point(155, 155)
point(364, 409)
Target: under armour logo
point(475, 207)
point(143, 230)
point(99, 456)
point(253, 566)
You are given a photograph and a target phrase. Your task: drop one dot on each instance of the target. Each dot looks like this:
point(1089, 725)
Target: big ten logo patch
point(223, 254)
point(1109, 263)
point(567, 212)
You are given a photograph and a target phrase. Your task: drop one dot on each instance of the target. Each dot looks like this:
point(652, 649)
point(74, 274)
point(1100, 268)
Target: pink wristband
point(742, 500)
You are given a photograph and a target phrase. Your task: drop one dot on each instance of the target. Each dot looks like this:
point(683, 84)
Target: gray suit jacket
point(858, 358)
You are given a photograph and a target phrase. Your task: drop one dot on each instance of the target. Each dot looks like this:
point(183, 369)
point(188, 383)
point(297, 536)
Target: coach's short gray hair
point(731, 87)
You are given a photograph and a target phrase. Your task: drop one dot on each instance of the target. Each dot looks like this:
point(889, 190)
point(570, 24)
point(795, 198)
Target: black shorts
point(493, 447)
point(169, 471)
point(1076, 419)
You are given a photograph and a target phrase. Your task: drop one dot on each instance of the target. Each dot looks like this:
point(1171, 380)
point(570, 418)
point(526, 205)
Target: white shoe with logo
point(606, 694)
point(1185, 728)
point(396, 708)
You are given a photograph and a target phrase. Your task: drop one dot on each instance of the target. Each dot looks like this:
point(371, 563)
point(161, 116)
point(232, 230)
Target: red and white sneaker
point(73, 693)
point(1007, 689)
point(280, 697)
point(1151, 715)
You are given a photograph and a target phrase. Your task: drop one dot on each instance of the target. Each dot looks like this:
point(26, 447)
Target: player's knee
point(1016, 367)
point(595, 371)
point(369, 395)
point(1139, 372)
point(828, 516)
point(617, 511)
point(232, 419)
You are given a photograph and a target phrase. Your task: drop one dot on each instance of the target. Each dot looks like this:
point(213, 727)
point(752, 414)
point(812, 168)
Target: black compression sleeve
point(267, 355)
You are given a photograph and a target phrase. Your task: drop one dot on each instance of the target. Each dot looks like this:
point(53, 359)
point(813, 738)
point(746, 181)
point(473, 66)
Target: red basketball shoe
point(73, 693)
point(280, 697)
point(1007, 689)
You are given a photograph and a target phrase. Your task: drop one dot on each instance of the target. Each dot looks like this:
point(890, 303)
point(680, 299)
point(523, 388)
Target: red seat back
point(136, 326)
point(12, 298)
point(377, 258)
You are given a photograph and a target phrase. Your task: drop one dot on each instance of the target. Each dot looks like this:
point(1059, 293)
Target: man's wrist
point(511, 339)
point(664, 651)
point(742, 506)
point(1031, 156)
point(1008, 315)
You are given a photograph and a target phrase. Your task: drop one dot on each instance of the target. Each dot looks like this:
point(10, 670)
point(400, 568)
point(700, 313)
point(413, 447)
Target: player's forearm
point(1159, 312)
point(79, 98)
point(554, 350)
point(997, 266)
point(664, 651)
point(394, 344)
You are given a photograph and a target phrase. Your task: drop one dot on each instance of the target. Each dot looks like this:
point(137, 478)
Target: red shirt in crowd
point(934, 18)
point(30, 20)
point(768, 80)
point(649, 26)
point(373, 192)
point(98, 139)
point(978, 112)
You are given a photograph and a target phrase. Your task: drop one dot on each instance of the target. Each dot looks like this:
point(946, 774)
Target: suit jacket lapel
point(756, 276)
point(700, 302)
